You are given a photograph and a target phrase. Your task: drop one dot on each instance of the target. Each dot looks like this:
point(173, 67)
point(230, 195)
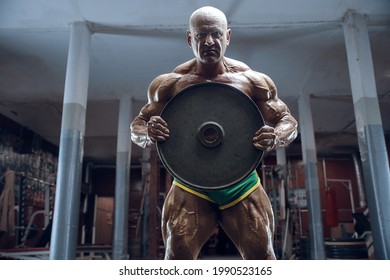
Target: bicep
point(150, 109)
point(157, 98)
point(273, 111)
point(271, 107)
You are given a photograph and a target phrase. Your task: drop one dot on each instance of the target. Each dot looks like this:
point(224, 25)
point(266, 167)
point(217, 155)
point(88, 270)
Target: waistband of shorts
point(241, 191)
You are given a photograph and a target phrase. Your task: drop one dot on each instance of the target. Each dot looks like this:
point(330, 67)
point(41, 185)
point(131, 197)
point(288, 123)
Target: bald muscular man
point(243, 211)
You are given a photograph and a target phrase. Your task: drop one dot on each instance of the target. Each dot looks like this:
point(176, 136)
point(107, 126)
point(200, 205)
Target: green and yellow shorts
point(225, 198)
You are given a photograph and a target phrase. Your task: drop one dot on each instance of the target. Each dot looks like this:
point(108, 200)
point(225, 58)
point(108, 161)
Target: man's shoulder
point(164, 78)
point(163, 83)
point(240, 66)
point(259, 79)
point(184, 68)
point(234, 65)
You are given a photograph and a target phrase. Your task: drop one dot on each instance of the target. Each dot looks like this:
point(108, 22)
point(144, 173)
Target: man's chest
point(238, 81)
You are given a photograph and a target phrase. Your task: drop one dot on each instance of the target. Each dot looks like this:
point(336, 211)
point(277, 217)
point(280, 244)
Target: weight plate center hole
point(210, 134)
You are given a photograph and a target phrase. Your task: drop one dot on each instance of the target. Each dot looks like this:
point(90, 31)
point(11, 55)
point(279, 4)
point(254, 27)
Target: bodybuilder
point(190, 216)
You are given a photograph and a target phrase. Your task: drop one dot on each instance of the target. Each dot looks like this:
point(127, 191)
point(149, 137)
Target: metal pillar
point(370, 134)
point(281, 157)
point(284, 213)
point(145, 163)
point(67, 200)
point(153, 205)
point(282, 174)
point(311, 179)
point(120, 241)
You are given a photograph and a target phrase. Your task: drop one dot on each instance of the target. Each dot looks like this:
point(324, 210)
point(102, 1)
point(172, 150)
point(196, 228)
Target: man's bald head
point(208, 12)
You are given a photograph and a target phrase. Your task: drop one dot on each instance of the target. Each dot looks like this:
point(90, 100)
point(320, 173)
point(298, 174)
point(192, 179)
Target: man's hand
point(265, 139)
point(157, 129)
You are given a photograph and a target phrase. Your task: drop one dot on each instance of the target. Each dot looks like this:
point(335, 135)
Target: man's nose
point(209, 40)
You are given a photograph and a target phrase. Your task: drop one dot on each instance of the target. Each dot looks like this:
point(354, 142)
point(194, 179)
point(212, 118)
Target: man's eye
point(217, 34)
point(201, 35)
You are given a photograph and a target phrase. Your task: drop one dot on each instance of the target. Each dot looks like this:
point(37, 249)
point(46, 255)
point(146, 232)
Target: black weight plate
point(230, 112)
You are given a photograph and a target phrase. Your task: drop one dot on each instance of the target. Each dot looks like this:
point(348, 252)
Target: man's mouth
point(210, 52)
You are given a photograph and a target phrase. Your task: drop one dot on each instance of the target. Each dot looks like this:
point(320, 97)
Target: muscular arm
point(281, 126)
point(284, 125)
point(148, 127)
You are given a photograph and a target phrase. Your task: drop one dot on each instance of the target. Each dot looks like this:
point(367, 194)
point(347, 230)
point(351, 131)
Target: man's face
point(208, 38)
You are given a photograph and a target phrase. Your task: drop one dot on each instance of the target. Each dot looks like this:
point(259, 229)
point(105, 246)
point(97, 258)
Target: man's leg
point(188, 222)
point(250, 225)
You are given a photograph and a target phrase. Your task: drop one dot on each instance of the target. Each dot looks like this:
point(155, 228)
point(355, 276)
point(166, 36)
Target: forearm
point(139, 133)
point(286, 131)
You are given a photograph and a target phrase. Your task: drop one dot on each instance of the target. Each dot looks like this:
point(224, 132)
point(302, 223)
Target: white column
point(282, 172)
point(67, 200)
point(123, 155)
point(281, 157)
point(370, 134)
point(309, 152)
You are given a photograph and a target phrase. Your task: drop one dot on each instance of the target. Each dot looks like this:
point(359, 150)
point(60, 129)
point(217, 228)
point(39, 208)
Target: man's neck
point(210, 71)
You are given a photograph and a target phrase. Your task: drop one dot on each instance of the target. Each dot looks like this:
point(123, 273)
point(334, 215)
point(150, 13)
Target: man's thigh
point(188, 222)
point(250, 225)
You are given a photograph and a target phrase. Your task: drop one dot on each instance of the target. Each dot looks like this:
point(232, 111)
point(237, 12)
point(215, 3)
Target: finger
point(265, 129)
point(264, 136)
point(265, 148)
point(157, 131)
point(158, 120)
point(158, 128)
point(264, 142)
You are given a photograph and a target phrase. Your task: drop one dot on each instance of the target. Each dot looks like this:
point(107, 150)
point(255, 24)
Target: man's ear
point(228, 33)
point(189, 38)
